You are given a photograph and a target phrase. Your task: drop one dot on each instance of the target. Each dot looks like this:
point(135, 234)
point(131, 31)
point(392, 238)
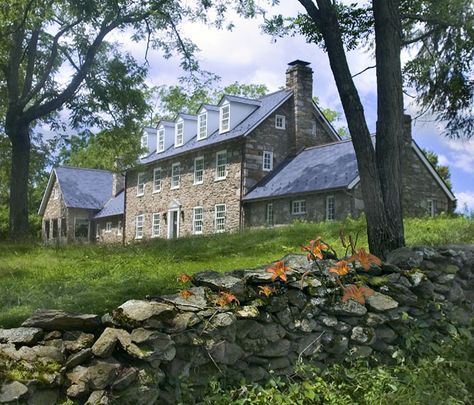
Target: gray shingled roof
point(268, 104)
point(314, 169)
point(84, 188)
point(115, 206)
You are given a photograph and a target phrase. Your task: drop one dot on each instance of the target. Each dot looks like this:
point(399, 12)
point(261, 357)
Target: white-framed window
point(139, 222)
point(108, 227)
point(269, 214)
point(198, 170)
point(119, 228)
point(55, 192)
point(221, 165)
point(431, 207)
point(157, 180)
point(202, 126)
point(198, 222)
point(144, 144)
point(161, 140)
point(219, 218)
point(298, 207)
point(175, 175)
point(81, 228)
point(97, 231)
point(179, 133)
point(267, 161)
point(280, 121)
point(224, 118)
point(330, 208)
point(140, 184)
point(155, 225)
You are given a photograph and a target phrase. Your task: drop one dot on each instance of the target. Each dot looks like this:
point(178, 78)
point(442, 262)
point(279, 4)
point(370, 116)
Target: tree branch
point(362, 71)
point(418, 38)
point(311, 9)
point(31, 58)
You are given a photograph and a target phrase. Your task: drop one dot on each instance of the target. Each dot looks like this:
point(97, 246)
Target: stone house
point(250, 163)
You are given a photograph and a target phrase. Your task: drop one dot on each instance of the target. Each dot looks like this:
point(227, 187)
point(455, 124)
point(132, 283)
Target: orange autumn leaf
point(279, 270)
point(356, 293)
point(365, 259)
point(341, 268)
point(226, 298)
point(186, 294)
point(266, 290)
point(316, 249)
point(184, 278)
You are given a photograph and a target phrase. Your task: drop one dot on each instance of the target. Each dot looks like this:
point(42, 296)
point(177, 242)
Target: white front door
point(173, 223)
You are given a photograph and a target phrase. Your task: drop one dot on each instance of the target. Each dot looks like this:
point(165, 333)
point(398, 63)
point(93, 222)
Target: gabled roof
point(268, 104)
point(324, 167)
point(320, 168)
point(186, 116)
point(165, 123)
point(80, 188)
point(239, 99)
point(115, 206)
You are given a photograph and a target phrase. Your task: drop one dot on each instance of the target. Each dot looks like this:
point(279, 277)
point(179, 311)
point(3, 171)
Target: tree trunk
point(379, 233)
point(19, 173)
point(389, 114)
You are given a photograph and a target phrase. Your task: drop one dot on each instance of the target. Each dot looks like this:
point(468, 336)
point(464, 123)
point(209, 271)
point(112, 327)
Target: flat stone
point(276, 349)
point(222, 320)
point(375, 319)
point(386, 334)
point(297, 298)
point(24, 336)
point(247, 312)
point(96, 397)
point(78, 358)
point(363, 335)
point(125, 378)
point(77, 390)
point(141, 310)
point(381, 302)
point(44, 397)
point(49, 353)
point(75, 341)
point(405, 258)
point(182, 321)
point(196, 302)
point(226, 353)
point(13, 391)
point(450, 269)
point(102, 373)
point(329, 321)
point(154, 345)
point(105, 345)
point(348, 308)
point(220, 282)
point(52, 320)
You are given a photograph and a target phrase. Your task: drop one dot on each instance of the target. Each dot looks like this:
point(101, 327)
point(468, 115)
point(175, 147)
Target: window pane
point(175, 175)
point(179, 133)
point(155, 231)
point(81, 229)
point(197, 220)
point(139, 226)
point(221, 163)
point(157, 180)
point(202, 126)
point(161, 140)
point(140, 183)
point(198, 170)
point(220, 217)
point(225, 115)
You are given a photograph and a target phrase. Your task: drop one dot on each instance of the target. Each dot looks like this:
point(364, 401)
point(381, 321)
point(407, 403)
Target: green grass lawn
point(96, 279)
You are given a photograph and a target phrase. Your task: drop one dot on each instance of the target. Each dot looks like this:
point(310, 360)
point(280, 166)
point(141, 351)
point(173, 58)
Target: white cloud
point(461, 154)
point(465, 199)
point(443, 160)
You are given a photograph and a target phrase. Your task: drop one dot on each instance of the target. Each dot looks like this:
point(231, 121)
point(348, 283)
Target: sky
point(247, 55)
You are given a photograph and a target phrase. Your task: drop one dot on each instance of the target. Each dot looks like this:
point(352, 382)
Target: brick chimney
point(299, 79)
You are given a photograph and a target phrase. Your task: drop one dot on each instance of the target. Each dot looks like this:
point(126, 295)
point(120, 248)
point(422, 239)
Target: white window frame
point(218, 176)
point(330, 208)
point(198, 223)
point(267, 167)
point(196, 178)
point(108, 227)
point(161, 140)
point(97, 231)
point(175, 185)
point(282, 124)
point(431, 207)
point(119, 227)
point(219, 220)
point(179, 133)
point(156, 225)
point(224, 128)
point(298, 207)
point(55, 192)
point(269, 214)
point(157, 180)
point(202, 126)
point(140, 184)
point(139, 226)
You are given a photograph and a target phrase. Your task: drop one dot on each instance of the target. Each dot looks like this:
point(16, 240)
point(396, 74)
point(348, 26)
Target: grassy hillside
point(98, 278)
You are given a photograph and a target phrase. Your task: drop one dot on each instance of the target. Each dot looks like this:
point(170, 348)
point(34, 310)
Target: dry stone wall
point(145, 349)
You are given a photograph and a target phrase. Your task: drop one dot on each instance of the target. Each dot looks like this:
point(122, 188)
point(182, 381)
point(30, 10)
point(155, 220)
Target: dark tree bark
point(389, 144)
point(381, 232)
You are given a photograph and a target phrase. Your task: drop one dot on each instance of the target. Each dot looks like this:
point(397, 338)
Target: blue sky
point(248, 56)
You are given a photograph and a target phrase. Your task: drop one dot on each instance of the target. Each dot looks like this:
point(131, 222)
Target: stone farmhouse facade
point(241, 163)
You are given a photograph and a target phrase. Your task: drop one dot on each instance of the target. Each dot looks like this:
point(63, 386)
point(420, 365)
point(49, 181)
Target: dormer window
point(178, 141)
point(144, 144)
point(280, 122)
point(224, 118)
point(161, 140)
point(202, 126)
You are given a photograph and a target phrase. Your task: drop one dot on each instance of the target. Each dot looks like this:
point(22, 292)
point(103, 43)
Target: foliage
point(226, 298)
point(97, 278)
point(443, 170)
point(356, 293)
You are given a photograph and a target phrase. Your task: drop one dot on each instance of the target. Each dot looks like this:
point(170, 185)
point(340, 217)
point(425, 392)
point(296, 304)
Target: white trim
point(180, 122)
point(333, 213)
point(283, 121)
point(139, 194)
point(161, 131)
point(271, 161)
point(170, 222)
point(153, 218)
point(142, 217)
point(217, 177)
point(221, 113)
point(194, 220)
point(215, 218)
point(269, 219)
point(202, 170)
point(119, 227)
point(433, 172)
point(353, 183)
point(44, 201)
point(300, 211)
point(108, 227)
point(199, 137)
point(155, 189)
point(177, 164)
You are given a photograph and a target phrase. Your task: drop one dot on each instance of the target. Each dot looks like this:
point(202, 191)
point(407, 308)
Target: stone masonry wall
point(145, 349)
point(112, 236)
point(206, 195)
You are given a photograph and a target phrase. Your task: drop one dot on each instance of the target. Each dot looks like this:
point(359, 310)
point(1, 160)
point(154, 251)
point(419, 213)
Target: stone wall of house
point(255, 212)
point(145, 349)
point(188, 196)
point(55, 211)
point(114, 235)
